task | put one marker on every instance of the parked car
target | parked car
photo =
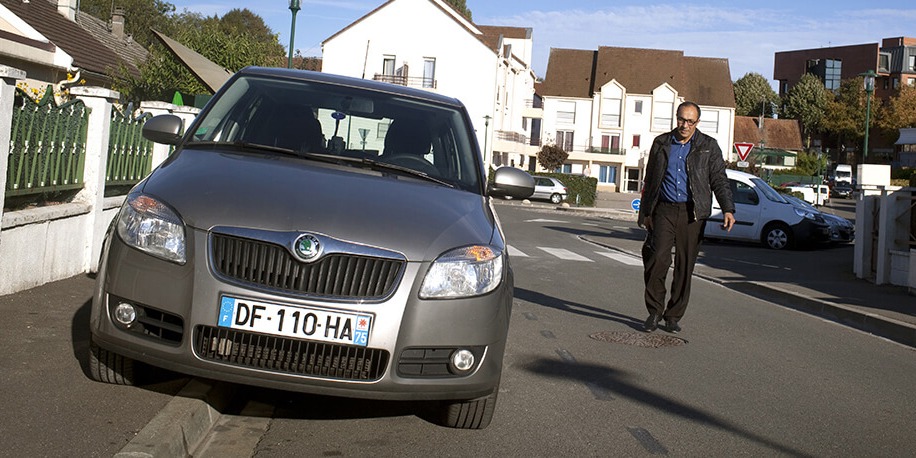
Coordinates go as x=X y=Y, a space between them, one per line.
x=315 y=233
x=841 y=189
x=764 y=215
x=841 y=229
x=548 y=188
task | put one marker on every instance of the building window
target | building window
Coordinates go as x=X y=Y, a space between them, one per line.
x=429 y=72
x=709 y=121
x=567 y=168
x=827 y=70
x=388 y=65
x=565 y=140
x=382 y=129
x=896 y=82
x=911 y=67
x=610 y=112
x=661 y=117
x=911 y=82
x=607 y=174
x=566 y=112
x=636 y=139
x=884 y=60
x=637 y=106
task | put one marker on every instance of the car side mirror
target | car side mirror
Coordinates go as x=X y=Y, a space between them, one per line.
x=165 y=129
x=511 y=182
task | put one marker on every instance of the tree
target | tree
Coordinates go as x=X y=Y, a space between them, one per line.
x=140 y=16
x=807 y=102
x=237 y=40
x=754 y=96
x=551 y=157
x=844 y=117
x=899 y=111
x=461 y=7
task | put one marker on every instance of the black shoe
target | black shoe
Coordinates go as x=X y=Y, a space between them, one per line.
x=672 y=326
x=651 y=323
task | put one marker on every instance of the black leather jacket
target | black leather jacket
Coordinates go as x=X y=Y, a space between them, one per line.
x=705 y=176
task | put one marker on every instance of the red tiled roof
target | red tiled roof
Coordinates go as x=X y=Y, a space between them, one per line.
x=579 y=73
x=777 y=133
x=87 y=52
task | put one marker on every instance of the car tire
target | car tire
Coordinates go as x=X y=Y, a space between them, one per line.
x=472 y=414
x=777 y=236
x=556 y=198
x=109 y=367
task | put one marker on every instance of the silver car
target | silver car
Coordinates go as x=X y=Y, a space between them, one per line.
x=548 y=188
x=315 y=233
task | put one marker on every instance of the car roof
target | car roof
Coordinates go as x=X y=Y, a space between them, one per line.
x=357 y=83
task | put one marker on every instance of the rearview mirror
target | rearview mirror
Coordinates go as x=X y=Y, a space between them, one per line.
x=163 y=129
x=511 y=182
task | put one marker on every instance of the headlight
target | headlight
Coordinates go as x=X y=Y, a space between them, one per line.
x=805 y=213
x=463 y=272
x=150 y=226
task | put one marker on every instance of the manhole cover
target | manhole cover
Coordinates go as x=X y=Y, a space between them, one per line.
x=639 y=339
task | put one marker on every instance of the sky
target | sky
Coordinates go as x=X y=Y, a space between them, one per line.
x=747 y=33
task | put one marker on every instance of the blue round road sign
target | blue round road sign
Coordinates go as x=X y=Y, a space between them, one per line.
x=635 y=204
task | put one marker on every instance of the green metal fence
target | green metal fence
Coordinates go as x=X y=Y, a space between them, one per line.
x=130 y=156
x=47 y=145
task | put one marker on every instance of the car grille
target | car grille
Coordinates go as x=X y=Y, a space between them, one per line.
x=343 y=276
x=291 y=356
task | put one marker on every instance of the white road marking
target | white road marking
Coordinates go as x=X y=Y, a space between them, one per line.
x=621 y=258
x=565 y=254
x=545 y=221
x=516 y=252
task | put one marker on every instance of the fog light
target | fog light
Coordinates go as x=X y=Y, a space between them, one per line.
x=125 y=313
x=463 y=360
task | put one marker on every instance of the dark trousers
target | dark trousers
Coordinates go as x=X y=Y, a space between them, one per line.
x=673 y=226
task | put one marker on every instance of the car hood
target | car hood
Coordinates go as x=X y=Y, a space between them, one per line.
x=417 y=218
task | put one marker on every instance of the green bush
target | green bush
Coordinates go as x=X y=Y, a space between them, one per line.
x=586 y=188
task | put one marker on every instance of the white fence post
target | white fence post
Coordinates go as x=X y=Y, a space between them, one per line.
x=100 y=101
x=8 y=77
x=160 y=151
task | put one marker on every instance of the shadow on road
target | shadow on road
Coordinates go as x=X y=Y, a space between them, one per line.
x=615 y=382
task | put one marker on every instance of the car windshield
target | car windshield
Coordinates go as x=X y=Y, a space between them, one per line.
x=375 y=128
x=768 y=191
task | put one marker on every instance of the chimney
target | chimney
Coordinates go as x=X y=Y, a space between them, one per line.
x=117 y=23
x=67 y=8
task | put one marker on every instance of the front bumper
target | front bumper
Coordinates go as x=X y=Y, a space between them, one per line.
x=406 y=356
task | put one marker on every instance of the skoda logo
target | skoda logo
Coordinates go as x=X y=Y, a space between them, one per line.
x=308 y=247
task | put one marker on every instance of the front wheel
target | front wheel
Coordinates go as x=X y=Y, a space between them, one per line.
x=777 y=236
x=473 y=414
x=110 y=367
x=556 y=198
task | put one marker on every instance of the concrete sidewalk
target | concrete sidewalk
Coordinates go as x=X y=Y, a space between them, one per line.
x=832 y=292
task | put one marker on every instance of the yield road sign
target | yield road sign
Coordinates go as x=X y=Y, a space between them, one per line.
x=743 y=150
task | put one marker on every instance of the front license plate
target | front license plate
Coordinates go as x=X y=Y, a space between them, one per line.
x=294 y=321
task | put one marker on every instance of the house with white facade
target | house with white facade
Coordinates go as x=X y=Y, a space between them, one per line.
x=605 y=107
x=429 y=45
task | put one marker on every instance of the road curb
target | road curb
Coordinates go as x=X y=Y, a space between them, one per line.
x=888 y=328
x=182 y=425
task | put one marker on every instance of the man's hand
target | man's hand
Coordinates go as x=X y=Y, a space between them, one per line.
x=647 y=223
x=728 y=221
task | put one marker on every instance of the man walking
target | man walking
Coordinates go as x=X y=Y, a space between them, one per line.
x=685 y=168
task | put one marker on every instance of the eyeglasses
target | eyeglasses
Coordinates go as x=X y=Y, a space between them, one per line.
x=689 y=122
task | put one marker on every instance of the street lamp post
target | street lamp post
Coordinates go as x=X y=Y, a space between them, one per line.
x=294 y=7
x=869 y=90
x=486 y=133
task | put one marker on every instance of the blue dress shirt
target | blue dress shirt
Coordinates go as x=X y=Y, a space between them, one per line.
x=674 y=185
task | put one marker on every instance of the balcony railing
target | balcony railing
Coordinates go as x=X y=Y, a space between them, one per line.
x=606 y=150
x=429 y=83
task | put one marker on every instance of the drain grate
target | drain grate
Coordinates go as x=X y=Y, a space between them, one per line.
x=639 y=339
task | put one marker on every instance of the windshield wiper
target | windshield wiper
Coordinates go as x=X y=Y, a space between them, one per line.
x=377 y=165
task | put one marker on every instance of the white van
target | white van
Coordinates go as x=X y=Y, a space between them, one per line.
x=763 y=215
x=811 y=195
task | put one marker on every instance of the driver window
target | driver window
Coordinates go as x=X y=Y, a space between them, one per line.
x=744 y=194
